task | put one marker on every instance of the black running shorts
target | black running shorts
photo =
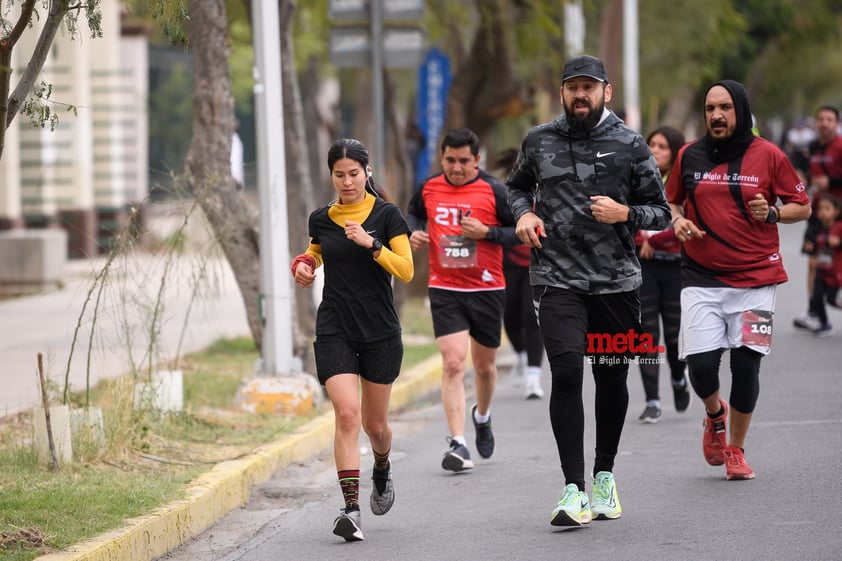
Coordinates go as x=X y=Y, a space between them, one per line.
x=588 y=323
x=480 y=313
x=378 y=362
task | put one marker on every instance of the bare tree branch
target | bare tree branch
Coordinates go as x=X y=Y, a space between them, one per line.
x=7 y=45
x=39 y=56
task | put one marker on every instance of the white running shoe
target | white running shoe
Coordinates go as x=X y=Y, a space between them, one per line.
x=807 y=321
x=533 y=388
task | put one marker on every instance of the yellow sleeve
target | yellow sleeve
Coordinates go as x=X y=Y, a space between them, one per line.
x=315 y=250
x=398 y=260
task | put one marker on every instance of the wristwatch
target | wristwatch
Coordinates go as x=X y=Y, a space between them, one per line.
x=376 y=245
x=774 y=215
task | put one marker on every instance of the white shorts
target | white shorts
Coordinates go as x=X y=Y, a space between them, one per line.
x=726 y=318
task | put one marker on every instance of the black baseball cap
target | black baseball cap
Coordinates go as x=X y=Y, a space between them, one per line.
x=585 y=65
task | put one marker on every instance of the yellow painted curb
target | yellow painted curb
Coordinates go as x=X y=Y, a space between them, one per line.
x=228 y=484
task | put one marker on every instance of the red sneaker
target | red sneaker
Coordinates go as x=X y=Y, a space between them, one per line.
x=736 y=466
x=713 y=439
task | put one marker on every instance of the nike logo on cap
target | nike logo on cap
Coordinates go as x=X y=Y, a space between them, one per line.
x=603 y=154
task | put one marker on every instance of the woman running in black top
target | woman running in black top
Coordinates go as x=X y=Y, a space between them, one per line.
x=363 y=242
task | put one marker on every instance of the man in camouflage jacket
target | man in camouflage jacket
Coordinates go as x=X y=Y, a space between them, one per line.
x=582 y=186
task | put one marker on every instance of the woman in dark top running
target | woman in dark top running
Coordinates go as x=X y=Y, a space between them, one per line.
x=363 y=242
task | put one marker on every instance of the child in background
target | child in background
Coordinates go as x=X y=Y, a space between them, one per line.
x=828 y=262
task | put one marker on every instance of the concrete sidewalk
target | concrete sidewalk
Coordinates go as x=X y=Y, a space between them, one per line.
x=193 y=314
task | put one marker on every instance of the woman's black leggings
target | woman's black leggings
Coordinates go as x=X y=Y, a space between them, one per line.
x=660 y=300
x=745 y=376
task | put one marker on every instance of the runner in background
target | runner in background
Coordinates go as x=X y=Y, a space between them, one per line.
x=519 y=319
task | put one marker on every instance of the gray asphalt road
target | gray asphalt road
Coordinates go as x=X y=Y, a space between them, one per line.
x=675 y=506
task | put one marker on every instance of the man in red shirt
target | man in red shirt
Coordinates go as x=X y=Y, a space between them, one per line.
x=723 y=192
x=463 y=216
x=825 y=177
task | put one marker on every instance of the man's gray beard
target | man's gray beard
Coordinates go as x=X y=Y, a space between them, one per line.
x=584 y=124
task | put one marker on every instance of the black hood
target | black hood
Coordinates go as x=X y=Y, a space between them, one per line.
x=732 y=148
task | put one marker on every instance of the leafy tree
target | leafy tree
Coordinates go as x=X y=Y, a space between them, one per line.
x=681 y=53
x=18 y=18
x=497 y=50
x=788 y=53
x=207 y=170
x=799 y=66
x=507 y=57
x=203 y=27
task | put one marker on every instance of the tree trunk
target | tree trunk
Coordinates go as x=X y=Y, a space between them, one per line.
x=208 y=171
x=319 y=113
x=486 y=86
x=402 y=178
x=611 y=49
x=679 y=112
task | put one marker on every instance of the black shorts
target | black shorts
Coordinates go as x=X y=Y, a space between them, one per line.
x=378 y=362
x=481 y=313
x=584 y=323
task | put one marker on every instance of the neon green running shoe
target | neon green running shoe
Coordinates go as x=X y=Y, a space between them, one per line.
x=573 y=508
x=606 y=504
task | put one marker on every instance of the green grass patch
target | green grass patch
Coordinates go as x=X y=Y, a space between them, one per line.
x=145 y=459
x=416 y=320
x=414 y=354
x=78 y=501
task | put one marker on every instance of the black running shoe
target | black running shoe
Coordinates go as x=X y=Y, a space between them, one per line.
x=347 y=525
x=650 y=415
x=457 y=458
x=682 y=397
x=485 y=438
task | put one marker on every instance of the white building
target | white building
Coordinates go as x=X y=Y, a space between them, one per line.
x=65 y=192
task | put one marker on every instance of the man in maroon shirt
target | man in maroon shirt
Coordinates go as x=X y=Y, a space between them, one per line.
x=723 y=192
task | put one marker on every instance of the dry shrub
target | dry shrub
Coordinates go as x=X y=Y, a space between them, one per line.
x=23 y=538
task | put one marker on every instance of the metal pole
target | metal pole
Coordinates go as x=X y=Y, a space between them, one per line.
x=276 y=292
x=377 y=86
x=574 y=28
x=631 y=63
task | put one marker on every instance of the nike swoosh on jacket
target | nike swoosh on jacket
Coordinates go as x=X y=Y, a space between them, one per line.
x=560 y=171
